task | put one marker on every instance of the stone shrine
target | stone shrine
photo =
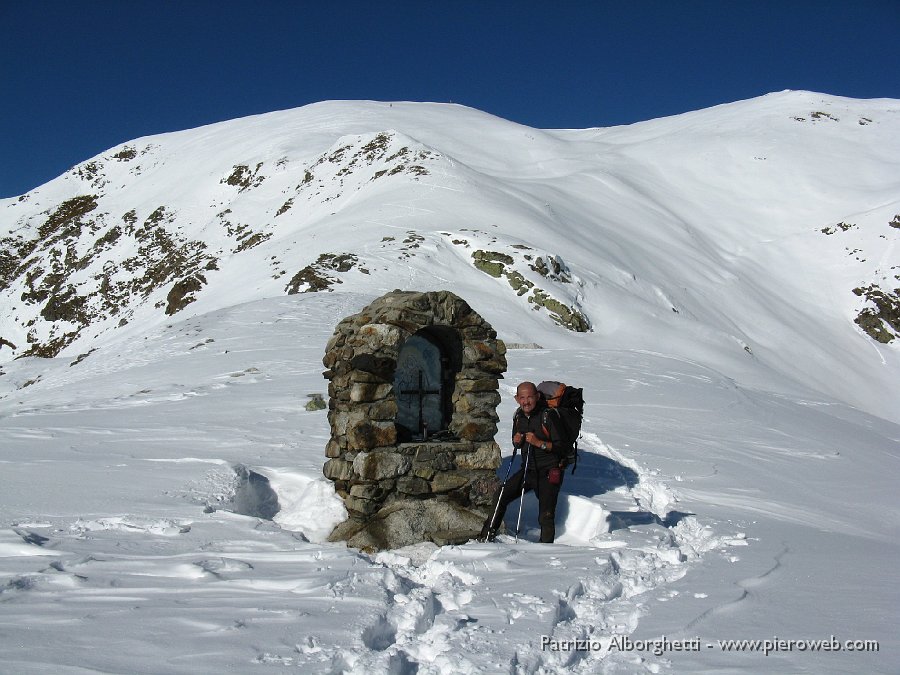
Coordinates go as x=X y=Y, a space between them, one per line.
x=413 y=391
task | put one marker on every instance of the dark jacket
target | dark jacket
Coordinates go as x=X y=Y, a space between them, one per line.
x=544 y=427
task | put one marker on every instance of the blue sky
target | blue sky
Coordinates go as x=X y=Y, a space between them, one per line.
x=79 y=77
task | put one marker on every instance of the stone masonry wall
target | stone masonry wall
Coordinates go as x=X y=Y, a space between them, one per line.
x=397 y=494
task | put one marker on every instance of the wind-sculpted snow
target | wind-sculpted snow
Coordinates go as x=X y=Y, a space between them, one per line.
x=700 y=508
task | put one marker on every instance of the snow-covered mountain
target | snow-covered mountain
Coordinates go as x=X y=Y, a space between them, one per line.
x=725 y=284
x=755 y=233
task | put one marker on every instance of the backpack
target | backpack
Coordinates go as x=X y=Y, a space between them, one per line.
x=568 y=405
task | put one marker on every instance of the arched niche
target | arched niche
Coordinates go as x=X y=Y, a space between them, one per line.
x=424 y=382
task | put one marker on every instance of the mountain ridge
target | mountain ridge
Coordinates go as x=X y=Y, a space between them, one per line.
x=749 y=236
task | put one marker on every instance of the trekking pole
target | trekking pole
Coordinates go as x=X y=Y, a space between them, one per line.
x=527 y=453
x=502 y=488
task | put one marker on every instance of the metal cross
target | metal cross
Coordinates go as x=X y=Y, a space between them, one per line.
x=421 y=392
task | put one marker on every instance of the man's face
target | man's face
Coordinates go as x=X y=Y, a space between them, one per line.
x=527 y=398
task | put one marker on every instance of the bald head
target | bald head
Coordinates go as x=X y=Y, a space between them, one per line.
x=527 y=396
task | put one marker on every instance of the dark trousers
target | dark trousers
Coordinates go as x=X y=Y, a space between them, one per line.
x=547 y=495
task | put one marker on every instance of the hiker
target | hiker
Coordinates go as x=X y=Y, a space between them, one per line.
x=541 y=445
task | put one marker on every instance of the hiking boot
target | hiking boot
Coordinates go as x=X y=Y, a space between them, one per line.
x=487 y=534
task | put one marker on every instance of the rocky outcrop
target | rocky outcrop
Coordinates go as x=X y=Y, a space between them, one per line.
x=398 y=493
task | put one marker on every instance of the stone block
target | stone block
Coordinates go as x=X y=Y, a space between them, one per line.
x=372 y=491
x=448 y=480
x=437 y=456
x=368 y=435
x=423 y=470
x=341 y=380
x=454 y=537
x=382 y=411
x=486 y=456
x=364 y=392
x=483 y=491
x=495 y=366
x=477 y=404
x=366 y=507
x=381 y=465
x=346 y=529
x=465 y=386
x=426 y=452
x=373 y=336
x=338 y=469
x=338 y=419
x=475 y=429
x=413 y=485
x=406 y=522
x=377 y=367
x=333 y=449
x=478 y=350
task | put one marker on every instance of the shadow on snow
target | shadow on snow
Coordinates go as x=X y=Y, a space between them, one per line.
x=595 y=475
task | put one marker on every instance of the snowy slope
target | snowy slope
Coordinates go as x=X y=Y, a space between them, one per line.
x=741 y=434
x=707 y=226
